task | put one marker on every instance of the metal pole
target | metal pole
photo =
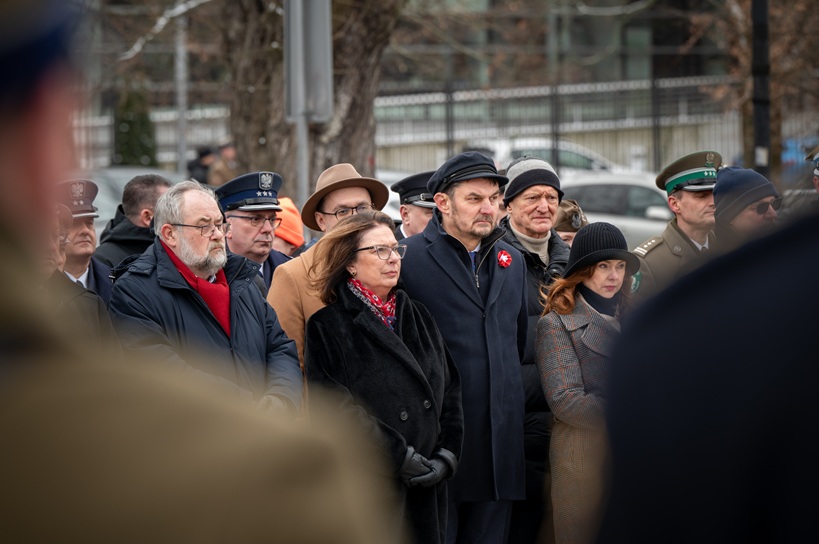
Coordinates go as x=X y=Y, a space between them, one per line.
x=181 y=76
x=761 y=70
x=655 y=120
x=300 y=105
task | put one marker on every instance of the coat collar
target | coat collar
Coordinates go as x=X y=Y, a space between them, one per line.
x=156 y=259
x=599 y=335
x=450 y=254
x=558 y=250
x=379 y=333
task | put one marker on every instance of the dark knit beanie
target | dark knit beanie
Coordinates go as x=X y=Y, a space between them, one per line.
x=599 y=242
x=526 y=172
x=736 y=188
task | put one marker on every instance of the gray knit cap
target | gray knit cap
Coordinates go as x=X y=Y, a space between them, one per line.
x=526 y=172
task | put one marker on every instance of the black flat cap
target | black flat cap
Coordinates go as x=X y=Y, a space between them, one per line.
x=464 y=166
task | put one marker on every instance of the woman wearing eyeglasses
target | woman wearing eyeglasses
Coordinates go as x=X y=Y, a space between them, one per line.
x=384 y=354
x=746 y=205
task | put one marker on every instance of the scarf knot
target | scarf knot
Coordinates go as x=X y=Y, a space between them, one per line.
x=383 y=309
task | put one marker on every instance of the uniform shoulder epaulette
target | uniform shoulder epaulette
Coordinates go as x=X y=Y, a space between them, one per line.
x=647 y=246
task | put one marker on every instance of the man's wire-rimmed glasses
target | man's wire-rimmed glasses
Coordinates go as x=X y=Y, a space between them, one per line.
x=257 y=222
x=342 y=213
x=206 y=230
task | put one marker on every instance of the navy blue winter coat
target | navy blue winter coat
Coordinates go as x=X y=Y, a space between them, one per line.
x=485 y=332
x=158 y=314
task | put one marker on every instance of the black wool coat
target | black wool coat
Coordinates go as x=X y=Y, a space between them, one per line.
x=485 y=331
x=402 y=386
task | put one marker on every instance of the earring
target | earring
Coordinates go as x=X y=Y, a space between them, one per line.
x=353 y=273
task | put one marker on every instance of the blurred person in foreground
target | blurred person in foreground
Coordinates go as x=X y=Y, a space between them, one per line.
x=746 y=204
x=384 y=354
x=580 y=324
x=474 y=285
x=532 y=198
x=570 y=218
x=129 y=232
x=80 y=265
x=340 y=192
x=100 y=452
x=689 y=183
x=186 y=297
x=416 y=204
x=712 y=441
x=251 y=206
x=289 y=237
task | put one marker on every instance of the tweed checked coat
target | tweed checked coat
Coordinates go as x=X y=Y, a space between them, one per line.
x=572 y=356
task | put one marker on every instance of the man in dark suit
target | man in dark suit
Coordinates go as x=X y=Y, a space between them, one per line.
x=109 y=452
x=251 y=205
x=416 y=204
x=474 y=284
x=80 y=265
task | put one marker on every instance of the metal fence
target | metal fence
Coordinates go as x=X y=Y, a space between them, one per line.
x=640 y=125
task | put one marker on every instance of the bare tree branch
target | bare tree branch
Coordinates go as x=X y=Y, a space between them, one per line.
x=167 y=16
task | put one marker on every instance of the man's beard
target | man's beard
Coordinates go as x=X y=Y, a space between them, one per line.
x=204 y=265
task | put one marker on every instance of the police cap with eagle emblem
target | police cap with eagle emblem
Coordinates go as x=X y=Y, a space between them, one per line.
x=251 y=192
x=694 y=172
x=78 y=195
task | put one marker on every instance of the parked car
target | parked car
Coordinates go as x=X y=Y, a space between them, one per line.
x=630 y=201
x=111 y=182
x=572 y=156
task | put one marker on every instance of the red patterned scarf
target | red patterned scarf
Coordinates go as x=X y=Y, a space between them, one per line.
x=216 y=295
x=384 y=310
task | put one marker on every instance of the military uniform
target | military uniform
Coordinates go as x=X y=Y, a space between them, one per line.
x=663 y=258
x=671 y=254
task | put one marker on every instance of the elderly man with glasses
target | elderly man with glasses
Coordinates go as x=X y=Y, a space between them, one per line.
x=340 y=192
x=251 y=207
x=189 y=305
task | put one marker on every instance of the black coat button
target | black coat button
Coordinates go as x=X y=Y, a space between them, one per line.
x=404 y=415
x=427 y=404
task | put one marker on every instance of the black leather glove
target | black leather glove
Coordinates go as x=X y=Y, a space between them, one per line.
x=442 y=465
x=415 y=464
x=438 y=470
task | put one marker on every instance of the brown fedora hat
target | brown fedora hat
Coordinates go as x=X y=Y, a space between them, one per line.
x=337 y=177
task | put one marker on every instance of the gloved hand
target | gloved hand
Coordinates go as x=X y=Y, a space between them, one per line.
x=438 y=470
x=414 y=465
x=442 y=465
